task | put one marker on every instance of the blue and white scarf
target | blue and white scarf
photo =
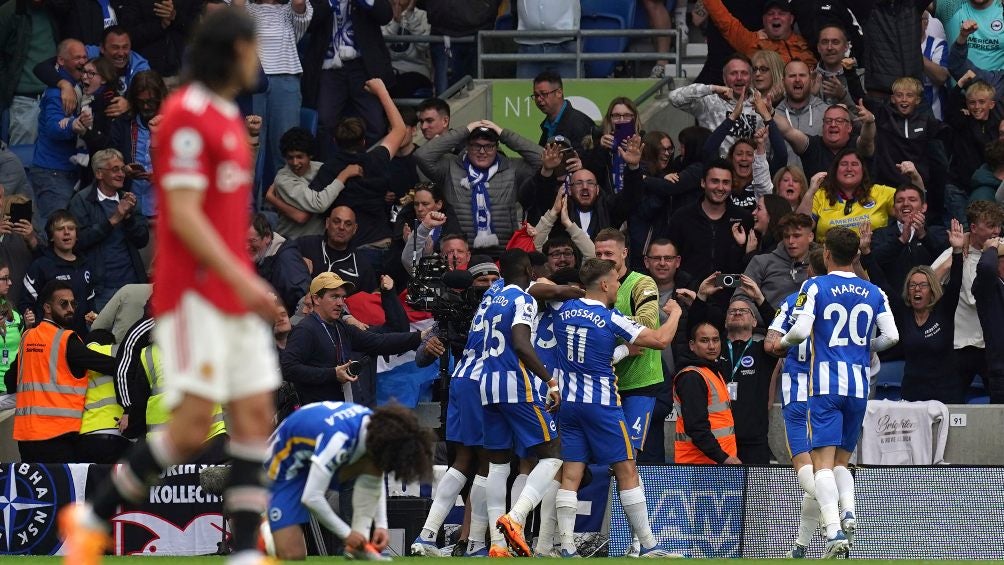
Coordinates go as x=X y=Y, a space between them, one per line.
x=481 y=204
x=343 y=34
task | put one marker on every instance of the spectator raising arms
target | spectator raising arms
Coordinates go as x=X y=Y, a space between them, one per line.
x=848 y=197
x=480 y=184
x=925 y=316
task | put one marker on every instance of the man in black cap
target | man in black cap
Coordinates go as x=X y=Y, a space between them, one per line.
x=480 y=183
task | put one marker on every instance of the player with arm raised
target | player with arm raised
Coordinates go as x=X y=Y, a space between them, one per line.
x=212 y=309
x=593 y=429
x=794 y=406
x=839 y=312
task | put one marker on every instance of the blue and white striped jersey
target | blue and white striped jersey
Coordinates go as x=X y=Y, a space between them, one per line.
x=330 y=434
x=844 y=310
x=490 y=357
x=587 y=332
x=796 y=367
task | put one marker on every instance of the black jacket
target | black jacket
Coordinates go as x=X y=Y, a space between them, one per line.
x=707 y=245
x=692 y=392
x=48 y=267
x=369 y=42
x=897 y=259
x=366 y=195
x=162 y=47
x=892 y=33
x=572 y=124
x=901 y=138
x=82 y=19
x=536 y=195
x=458 y=18
x=988 y=290
x=968 y=138
x=351 y=266
x=94 y=227
x=314 y=348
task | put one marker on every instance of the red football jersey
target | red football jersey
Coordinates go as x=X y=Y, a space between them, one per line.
x=201 y=144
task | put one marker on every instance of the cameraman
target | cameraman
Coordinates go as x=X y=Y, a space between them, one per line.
x=484 y=272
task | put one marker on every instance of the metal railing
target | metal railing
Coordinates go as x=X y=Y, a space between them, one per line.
x=456 y=89
x=579 y=57
x=659 y=90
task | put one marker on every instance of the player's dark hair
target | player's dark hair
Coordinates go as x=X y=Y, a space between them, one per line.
x=842 y=243
x=593 y=270
x=212 y=50
x=514 y=263
x=296 y=139
x=437 y=104
x=398 y=444
x=816 y=262
x=568 y=275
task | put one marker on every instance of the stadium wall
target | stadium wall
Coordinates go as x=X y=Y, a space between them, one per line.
x=753 y=512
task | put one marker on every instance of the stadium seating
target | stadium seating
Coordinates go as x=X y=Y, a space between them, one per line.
x=641 y=14
x=605 y=14
x=889 y=380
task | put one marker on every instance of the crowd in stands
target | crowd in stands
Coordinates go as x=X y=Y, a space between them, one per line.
x=878 y=116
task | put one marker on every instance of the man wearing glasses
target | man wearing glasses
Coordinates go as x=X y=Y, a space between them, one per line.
x=50 y=376
x=110 y=230
x=560 y=118
x=817 y=151
x=480 y=183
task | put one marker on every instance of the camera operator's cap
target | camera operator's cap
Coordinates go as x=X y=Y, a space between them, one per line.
x=485 y=133
x=783 y=4
x=482 y=265
x=329 y=280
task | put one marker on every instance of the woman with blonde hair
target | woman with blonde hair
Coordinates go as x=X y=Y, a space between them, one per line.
x=768 y=75
x=925 y=316
x=790 y=183
x=621 y=121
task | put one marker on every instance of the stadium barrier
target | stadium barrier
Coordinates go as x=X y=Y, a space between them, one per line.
x=753 y=512
x=700 y=511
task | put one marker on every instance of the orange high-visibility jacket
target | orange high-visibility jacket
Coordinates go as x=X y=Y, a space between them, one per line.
x=50 y=401
x=719 y=415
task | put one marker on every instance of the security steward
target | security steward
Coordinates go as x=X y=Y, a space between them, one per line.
x=49 y=377
x=157 y=414
x=705 y=430
x=101 y=439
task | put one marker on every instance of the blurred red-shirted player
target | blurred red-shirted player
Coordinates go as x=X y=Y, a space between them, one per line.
x=213 y=312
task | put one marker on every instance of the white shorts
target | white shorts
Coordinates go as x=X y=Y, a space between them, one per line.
x=213 y=355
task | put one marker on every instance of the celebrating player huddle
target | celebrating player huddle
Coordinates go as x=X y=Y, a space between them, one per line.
x=518 y=394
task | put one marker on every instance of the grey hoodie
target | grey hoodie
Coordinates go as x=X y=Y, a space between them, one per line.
x=777 y=274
